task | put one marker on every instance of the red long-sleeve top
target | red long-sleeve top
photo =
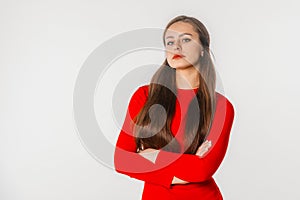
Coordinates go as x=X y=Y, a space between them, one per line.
x=196 y=170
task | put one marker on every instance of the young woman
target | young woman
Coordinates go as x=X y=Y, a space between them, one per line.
x=176 y=130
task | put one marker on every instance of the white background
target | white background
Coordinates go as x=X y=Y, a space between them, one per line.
x=43 y=45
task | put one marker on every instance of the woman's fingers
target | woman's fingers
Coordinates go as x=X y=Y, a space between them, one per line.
x=203 y=148
x=147 y=150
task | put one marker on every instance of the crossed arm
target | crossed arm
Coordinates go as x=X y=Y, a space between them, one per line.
x=166 y=168
x=151 y=154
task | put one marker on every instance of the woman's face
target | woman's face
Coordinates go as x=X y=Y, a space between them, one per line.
x=181 y=39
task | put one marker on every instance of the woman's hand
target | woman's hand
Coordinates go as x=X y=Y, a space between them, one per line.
x=203 y=148
x=147 y=150
x=149 y=154
x=178 y=181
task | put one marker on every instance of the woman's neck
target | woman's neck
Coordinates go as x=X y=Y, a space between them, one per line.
x=187 y=78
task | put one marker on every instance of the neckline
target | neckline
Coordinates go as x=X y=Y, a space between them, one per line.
x=187 y=89
x=186 y=92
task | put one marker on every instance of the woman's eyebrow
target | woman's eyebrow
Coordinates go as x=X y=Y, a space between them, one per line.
x=179 y=35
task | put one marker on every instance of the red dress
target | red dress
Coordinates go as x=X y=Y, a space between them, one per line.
x=196 y=170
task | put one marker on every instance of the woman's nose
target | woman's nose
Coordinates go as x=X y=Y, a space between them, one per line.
x=177 y=45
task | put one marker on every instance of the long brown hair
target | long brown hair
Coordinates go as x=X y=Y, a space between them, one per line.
x=152 y=127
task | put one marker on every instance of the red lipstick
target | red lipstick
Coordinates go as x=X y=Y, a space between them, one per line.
x=177 y=56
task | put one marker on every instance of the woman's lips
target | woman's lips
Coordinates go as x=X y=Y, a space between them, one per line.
x=177 y=56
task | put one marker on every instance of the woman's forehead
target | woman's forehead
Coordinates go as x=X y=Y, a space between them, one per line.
x=180 y=29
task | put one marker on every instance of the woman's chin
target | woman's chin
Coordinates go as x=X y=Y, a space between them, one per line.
x=180 y=66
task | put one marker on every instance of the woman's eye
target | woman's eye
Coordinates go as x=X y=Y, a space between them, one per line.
x=183 y=40
x=186 y=39
x=169 y=43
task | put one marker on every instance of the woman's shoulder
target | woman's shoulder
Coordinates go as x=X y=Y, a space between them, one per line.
x=144 y=88
x=138 y=99
x=142 y=91
x=225 y=102
x=140 y=94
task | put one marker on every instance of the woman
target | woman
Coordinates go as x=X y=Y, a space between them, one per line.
x=176 y=130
